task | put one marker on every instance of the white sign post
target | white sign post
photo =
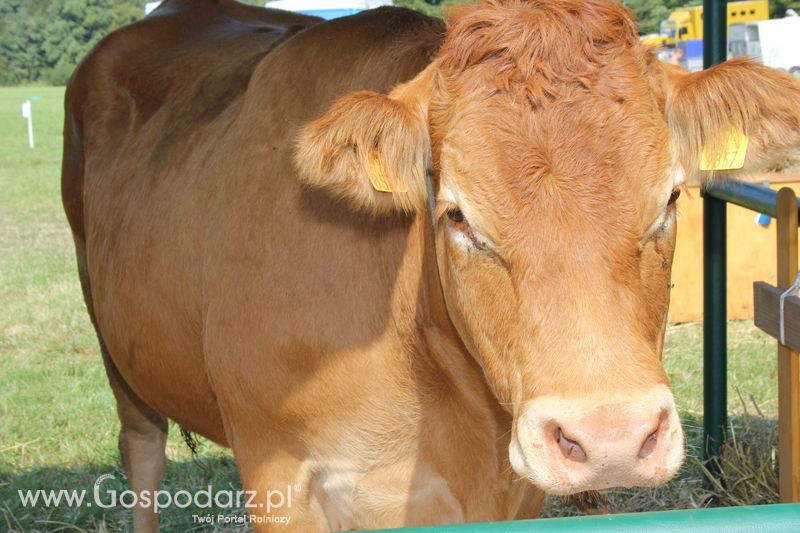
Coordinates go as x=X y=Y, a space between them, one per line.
x=27 y=112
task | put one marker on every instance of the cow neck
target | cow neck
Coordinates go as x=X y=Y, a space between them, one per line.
x=440 y=335
x=454 y=364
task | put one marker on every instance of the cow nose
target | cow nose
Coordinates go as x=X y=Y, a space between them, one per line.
x=639 y=436
x=571 y=445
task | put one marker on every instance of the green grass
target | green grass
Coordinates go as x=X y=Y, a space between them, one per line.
x=58 y=423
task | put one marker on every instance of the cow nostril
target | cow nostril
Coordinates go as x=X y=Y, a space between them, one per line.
x=571 y=449
x=649 y=445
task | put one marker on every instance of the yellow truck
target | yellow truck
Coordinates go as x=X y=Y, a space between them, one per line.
x=686 y=23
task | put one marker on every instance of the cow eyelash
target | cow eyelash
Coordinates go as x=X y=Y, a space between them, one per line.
x=456 y=215
x=459 y=221
x=658 y=226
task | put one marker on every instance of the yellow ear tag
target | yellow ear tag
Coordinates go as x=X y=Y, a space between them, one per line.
x=731 y=158
x=377 y=175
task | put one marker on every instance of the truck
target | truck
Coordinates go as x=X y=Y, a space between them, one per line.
x=686 y=23
x=683 y=30
x=775 y=43
x=682 y=33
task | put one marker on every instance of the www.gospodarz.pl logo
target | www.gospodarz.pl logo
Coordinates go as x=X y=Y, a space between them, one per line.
x=262 y=504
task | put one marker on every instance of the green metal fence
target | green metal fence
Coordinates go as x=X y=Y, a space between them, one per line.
x=715 y=301
x=716 y=196
x=781 y=518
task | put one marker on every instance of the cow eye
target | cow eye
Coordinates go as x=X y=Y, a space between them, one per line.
x=674 y=196
x=455 y=215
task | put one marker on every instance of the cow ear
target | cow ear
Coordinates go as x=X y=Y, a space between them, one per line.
x=735 y=118
x=371 y=150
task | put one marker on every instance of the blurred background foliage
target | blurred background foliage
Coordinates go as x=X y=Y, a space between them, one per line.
x=41 y=41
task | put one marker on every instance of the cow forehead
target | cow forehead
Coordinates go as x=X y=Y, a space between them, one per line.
x=586 y=159
x=545 y=110
x=548 y=106
x=533 y=47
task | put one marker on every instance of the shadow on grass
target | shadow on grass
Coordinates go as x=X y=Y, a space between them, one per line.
x=106 y=507
x=749 y=477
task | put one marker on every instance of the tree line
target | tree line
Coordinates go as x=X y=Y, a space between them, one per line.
x=41 y=41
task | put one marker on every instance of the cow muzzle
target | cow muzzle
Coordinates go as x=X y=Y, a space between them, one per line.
x=565 y=446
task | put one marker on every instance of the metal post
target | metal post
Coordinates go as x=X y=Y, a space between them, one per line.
x=715 y=319
x=715 y=33
x=715 y=323
x=27 y=113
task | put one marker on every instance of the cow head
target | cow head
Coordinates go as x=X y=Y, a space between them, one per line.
x=555 y=146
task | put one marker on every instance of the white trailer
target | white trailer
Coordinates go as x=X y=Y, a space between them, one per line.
x=327 y=9
x=776 y=42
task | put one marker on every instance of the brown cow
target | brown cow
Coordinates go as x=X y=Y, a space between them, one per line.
x=403 y=357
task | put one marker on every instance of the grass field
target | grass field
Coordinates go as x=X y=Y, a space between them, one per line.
x=57 y=418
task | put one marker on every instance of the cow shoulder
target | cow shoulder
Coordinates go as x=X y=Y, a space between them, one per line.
x=181 y=53
x=177 y=62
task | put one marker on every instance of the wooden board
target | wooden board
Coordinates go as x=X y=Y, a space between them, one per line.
x=788 y=364
x=767 y=305
x=751 y=256
x=766 y=300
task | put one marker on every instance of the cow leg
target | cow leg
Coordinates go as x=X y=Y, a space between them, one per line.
x=143 y=432
x=142 y=443
x=276 y=482
x=280 y=499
